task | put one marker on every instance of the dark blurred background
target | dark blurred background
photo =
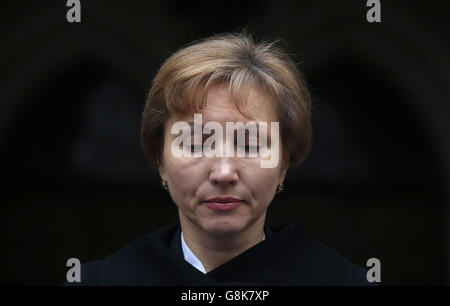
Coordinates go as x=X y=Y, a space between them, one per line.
x=75 y=182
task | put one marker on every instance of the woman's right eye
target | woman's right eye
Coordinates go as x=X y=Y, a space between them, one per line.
x=251 y=147
x=196 y=148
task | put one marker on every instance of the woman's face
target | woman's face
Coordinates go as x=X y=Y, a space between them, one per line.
x=194 y=181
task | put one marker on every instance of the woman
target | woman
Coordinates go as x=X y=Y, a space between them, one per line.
x=253 y=100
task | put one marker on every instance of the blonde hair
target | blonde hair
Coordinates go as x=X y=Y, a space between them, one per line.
x=181 y=85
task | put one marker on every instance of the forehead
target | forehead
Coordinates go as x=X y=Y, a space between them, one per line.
x=255 y=105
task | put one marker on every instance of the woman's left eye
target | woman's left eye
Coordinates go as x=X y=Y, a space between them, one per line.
x=196 y=147
x=250 y=148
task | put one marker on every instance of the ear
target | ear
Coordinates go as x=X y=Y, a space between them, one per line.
x=283 y=174
x=162 y=170
x=284 y=168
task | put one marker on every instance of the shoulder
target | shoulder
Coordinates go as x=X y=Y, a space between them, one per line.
x=315 y=263
x=127 y=264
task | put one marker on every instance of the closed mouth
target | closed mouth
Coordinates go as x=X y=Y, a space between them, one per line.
x=222 y=204
x=224 y=200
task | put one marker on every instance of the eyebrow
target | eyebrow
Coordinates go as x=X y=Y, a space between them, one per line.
x=191 y=123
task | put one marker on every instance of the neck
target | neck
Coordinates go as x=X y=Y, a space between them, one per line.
x=214 y=249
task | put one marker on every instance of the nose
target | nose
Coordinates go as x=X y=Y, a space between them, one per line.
x=224 y=172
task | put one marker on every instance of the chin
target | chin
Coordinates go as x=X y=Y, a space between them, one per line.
x=225 y=227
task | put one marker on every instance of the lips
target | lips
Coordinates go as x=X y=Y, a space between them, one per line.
x=222 y=204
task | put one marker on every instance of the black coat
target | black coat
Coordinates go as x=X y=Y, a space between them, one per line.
x=288 y=256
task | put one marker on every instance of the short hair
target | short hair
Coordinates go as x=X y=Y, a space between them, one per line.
x=181 y=85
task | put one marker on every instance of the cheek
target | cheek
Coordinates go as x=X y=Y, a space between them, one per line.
x=262 y=182
x=185 y=175
x=181 y=177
